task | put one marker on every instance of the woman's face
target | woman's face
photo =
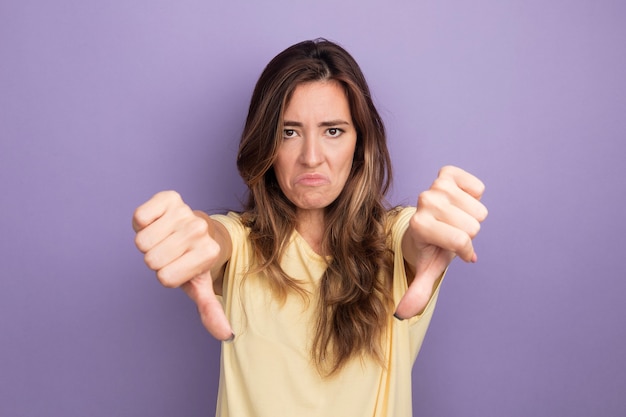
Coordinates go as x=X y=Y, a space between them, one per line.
x=319 y=139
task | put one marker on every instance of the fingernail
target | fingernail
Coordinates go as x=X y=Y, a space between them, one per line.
x=231 y=338
x=398 y=317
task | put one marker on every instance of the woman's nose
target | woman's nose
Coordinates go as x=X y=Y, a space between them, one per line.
x=312 y=152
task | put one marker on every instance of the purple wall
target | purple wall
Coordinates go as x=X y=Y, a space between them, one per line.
x=104 y=103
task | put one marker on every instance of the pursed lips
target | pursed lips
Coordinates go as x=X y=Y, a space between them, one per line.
x=312 y=179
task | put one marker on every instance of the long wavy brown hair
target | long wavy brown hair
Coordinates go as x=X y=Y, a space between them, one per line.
x=355 y=300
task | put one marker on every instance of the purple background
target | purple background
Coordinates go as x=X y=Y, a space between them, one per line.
x=103 y=103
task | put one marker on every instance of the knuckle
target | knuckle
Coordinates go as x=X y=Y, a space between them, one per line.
x=438 y=184
x=483 y=215
x=432 y=200
x=417 y=222
x=205 y=254
x=198 y=226
x=442 y=184
x=474 y=229
x=183 y=213
x=211 y=250
x=140 y=219
x=446 y=170
x=141 y=242
x=166 y=279
x=168 y=200
x=169 y=195
x=151 y=260
x=480 y=187
x=461 y=242
x=424 y=199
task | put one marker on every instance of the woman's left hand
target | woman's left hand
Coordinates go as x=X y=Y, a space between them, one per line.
x=447 y=219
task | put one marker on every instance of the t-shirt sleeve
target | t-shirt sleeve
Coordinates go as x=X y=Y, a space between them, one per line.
x=232 y=223
x=238 y=237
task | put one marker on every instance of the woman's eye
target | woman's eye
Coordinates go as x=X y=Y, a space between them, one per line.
x=289 y=133
x=334 y=132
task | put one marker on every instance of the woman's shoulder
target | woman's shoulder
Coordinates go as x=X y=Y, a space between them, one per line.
x=396 y=224
x=233 y=222
x=399 y=215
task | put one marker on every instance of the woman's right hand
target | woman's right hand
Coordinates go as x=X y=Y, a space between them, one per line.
x=178 y=244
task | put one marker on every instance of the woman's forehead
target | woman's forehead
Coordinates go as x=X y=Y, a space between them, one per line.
x=324 y=100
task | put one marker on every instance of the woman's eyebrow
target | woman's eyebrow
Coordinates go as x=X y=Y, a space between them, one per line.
x=291 y=123
x=333 y=123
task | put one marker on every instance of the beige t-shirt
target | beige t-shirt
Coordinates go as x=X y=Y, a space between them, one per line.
x=267 y=370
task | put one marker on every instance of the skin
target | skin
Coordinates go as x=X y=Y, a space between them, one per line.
x=315 y=158
x=446 y=221
x=189 y=250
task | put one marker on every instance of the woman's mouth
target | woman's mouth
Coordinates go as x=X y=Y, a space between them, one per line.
x=312 y=179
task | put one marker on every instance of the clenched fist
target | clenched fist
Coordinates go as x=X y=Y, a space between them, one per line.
x=184 y=247
x=446 y=221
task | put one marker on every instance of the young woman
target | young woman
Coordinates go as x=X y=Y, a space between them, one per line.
x=322 y=293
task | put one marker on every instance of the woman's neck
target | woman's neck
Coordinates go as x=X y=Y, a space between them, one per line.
x=310 y=225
